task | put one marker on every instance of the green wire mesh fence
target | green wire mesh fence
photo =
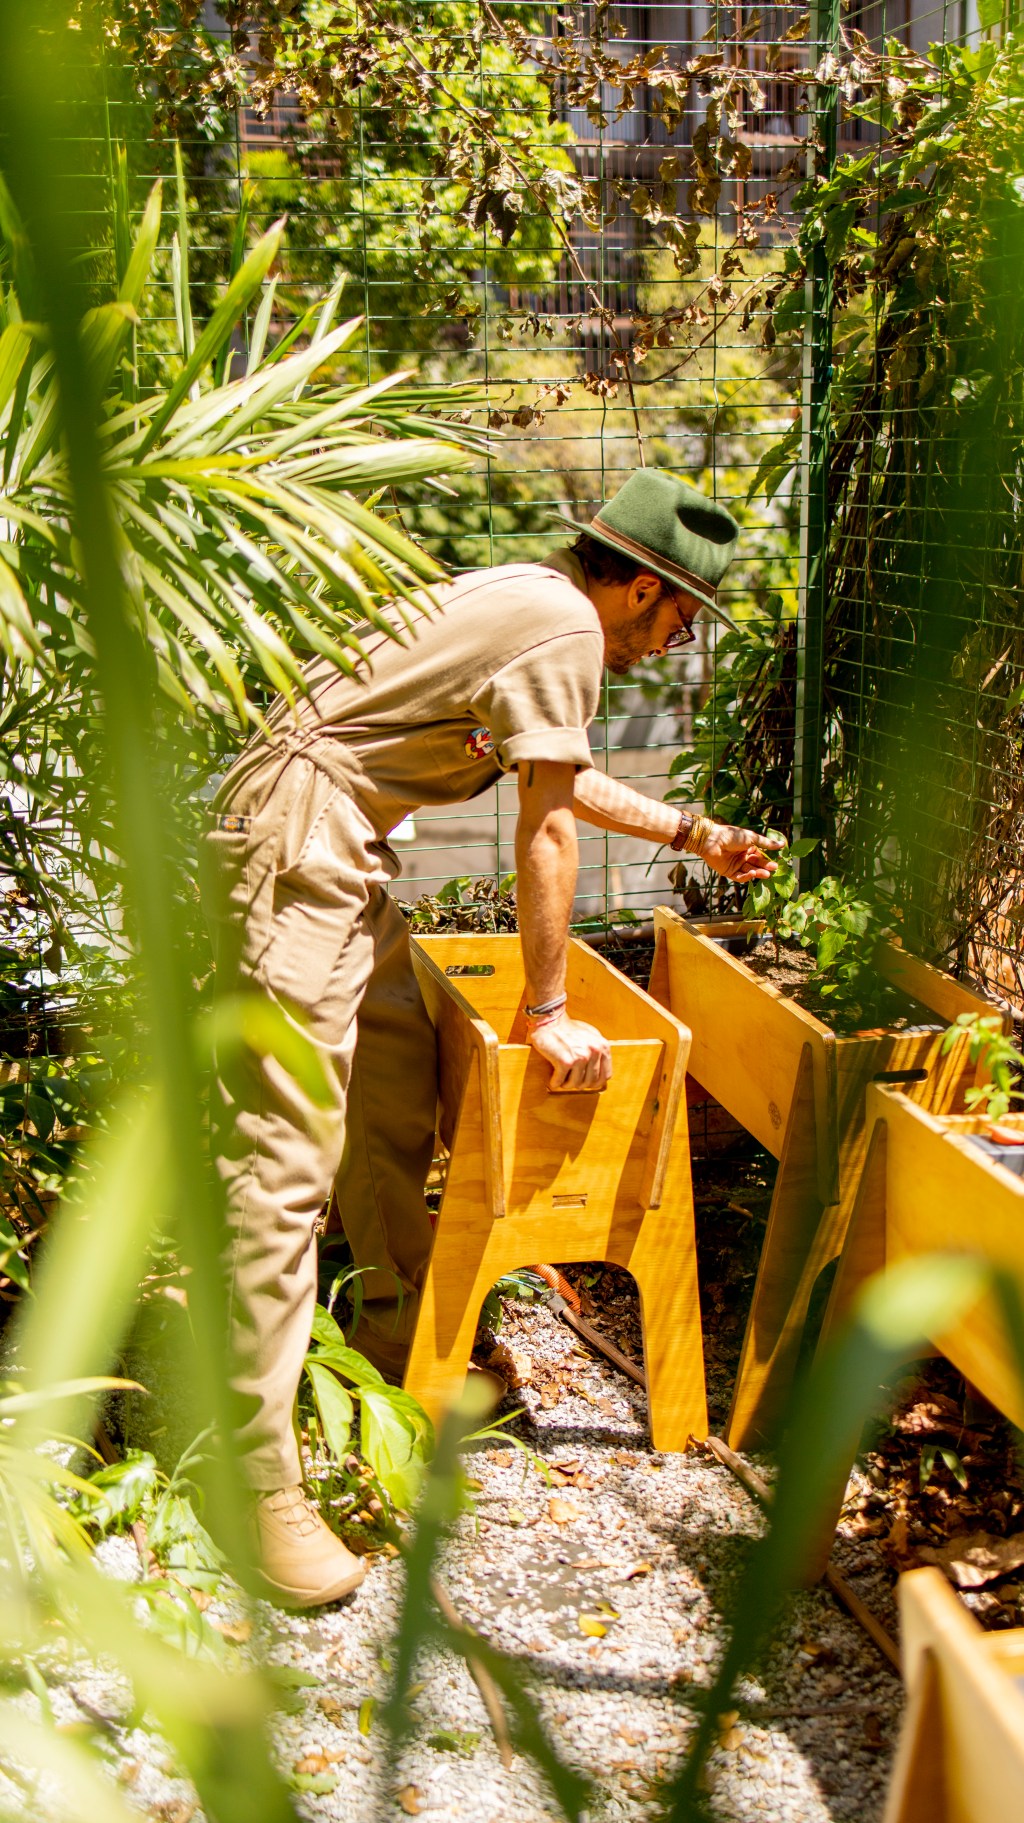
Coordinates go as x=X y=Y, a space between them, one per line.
x=607 y=217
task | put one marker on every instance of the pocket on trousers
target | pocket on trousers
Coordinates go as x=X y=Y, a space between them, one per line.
x=319 y=899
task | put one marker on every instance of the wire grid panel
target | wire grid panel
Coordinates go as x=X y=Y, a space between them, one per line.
x=550 y=323
x=553 y=323
x=926 y=655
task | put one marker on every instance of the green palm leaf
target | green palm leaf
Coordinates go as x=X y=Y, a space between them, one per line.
x=247 y=539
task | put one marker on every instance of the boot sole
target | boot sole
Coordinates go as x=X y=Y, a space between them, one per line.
x=284 y=1597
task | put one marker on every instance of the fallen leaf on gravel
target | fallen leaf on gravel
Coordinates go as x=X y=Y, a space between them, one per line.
x=570 y=1473
x=312 y=1762
x=729 y=1736
x=366 y=1709
x=630 y=1736
x=973 y=1559
x=563 y=1512
x=409 y=1799
x=454 y=1740
x=502 y=1459
x=175 y=1810
x=331 y=1709
x=516 y=1516
x=637 y=1569
x=898 y=1539
x=592 y=1625
x=564 y=1473
x=319 y=1784
x=605 y=1608
x=237 y=1631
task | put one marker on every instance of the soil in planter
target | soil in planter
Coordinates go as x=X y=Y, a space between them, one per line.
x=793 y=972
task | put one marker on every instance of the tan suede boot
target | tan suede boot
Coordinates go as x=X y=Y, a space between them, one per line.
x=300 y=1562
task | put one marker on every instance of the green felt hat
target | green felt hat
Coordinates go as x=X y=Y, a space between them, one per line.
x=671 y=528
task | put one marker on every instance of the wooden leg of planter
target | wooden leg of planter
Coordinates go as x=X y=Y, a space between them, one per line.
x=670 y=1313
x=465 y=1262
x=864 y=1248
x=862 y=1255
x=917 y=1791
x=776 y=1322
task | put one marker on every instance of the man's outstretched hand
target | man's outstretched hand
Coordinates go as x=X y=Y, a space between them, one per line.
x=741 y=854
x=579 y=1057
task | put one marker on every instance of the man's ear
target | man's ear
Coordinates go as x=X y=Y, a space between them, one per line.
x=644 y=588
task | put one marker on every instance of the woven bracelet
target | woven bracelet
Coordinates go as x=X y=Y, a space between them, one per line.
x=549 y=1007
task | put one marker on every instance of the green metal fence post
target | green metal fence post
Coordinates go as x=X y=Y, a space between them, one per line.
x=809 y=745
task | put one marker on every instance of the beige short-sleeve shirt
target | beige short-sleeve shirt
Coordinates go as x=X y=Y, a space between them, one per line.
x=505 y=669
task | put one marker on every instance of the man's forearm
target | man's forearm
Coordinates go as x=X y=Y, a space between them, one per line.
x=600 y=799
x=547 y=859
x=546 y=865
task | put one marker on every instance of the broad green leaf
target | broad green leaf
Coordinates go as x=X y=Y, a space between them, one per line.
x=117 y=1491
x=351 y=1363
x=326 y=1329
x=830 y=945
x=334 y=1405
x=396 y=1438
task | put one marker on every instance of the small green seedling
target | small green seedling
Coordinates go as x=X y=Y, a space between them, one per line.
x=842 y=928
x=997 y=1055
x=774 y=901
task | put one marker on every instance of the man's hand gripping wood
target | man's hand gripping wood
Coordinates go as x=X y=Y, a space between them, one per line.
x=547 y=861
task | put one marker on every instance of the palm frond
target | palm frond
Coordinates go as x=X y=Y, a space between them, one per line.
x=247 y=539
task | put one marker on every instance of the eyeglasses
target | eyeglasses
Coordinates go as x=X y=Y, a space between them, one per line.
x=684 y=634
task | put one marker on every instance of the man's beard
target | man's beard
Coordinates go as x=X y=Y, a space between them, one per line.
x=632 y=642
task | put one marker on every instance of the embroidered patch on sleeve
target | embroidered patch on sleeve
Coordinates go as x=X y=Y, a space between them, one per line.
x=479 y=743
x=234 y=826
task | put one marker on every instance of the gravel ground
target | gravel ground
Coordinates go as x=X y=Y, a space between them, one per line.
x=643 y=1545
x=608 y=1581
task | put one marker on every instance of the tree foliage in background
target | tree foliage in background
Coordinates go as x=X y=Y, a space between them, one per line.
x=244 y=487
x=924 y=788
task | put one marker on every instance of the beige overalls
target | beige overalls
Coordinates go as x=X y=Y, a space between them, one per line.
x=506 y=669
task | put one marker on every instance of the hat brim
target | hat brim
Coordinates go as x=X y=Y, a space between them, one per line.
x=593 y=530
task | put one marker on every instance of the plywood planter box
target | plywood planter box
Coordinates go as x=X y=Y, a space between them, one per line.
x=925 y=1188
x=533 y=1175
x=798 y=1088
x=960 y=1757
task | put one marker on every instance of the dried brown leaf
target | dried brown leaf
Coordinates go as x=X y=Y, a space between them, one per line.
x=972 y=1559
x=563 y=1512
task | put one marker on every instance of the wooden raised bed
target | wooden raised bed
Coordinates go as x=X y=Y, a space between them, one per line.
x=960 y=1757
x=539 y=1176
x=799 y=1089
x=925 y=1189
